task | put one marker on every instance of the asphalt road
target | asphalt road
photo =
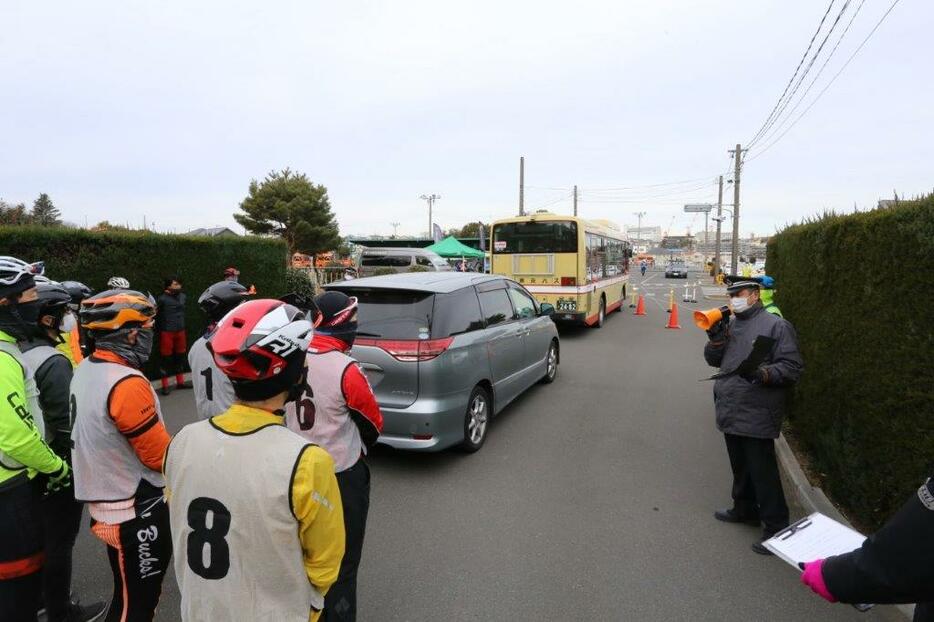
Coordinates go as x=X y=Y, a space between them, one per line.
x=591 y=500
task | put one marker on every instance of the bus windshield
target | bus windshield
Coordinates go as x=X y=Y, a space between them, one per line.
x=535 y=237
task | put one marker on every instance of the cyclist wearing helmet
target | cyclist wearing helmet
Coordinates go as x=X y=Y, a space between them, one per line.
x=118 y=282
x=73 y=347
x=767 y=294
x=24 y=454
x=119 y=441
x=213 y=392
x=257 y=525
x=170 y=321
x=60 y=512
x=339 y=413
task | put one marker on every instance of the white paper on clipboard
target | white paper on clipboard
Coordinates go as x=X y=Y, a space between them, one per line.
x=812 y=538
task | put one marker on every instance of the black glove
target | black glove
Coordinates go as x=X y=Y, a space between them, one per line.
x=719 y=331
x=757 y=376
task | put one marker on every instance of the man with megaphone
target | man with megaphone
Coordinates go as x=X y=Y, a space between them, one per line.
x=757 y=353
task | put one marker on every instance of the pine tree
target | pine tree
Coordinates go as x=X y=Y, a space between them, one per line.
x=289 y=205
x=44 y=211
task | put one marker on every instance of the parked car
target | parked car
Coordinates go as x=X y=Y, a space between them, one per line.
x=676 y=270
x=445 y=352
x=399 y=260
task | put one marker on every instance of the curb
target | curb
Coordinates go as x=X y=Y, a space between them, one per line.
x=813 y=499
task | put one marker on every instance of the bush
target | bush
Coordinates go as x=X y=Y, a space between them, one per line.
x=384 y=271
x=145 y=258
x=419 y=269
x=299 y=281
x=856 y=288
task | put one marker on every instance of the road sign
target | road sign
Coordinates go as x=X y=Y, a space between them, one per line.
x=698 y=207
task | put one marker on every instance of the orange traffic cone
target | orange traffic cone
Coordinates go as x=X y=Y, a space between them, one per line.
x=673 y=318
x=640 y=308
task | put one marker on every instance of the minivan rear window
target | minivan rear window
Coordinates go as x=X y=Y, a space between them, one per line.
x=456 y=313
x=392 y=313
x=393 y=261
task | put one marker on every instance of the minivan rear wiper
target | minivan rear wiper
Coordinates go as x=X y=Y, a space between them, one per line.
x=363 y=334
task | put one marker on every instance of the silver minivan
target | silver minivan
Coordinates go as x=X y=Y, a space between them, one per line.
x=399 y=260
x=445 y=351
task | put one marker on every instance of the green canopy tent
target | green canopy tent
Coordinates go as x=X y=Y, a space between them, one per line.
x=452 y=249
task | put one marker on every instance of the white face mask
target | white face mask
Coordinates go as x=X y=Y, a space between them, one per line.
x=739 y=304
x=68 y=323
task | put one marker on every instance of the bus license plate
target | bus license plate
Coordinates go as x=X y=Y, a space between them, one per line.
x=567 y=305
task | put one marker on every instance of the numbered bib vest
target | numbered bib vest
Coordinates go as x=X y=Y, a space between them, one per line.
x=237 y=551
x=322 y=417
x=213 y=392
x=105 y=466
x=29 y=409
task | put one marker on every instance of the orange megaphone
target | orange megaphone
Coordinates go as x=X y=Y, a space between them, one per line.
x=705 y=319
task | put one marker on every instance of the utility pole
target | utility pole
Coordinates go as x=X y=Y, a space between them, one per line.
x=395 y=229
x=575 y=200
x=639 y=215
x=431 y=198
x=737 y=168
x=522 y=186
x=716 y=259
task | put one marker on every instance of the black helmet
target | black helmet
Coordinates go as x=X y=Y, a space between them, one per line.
x=53 y=300
x=77 y=290
x=306 y=303
x=220 y=298
x=52 y=295
x=338 y=315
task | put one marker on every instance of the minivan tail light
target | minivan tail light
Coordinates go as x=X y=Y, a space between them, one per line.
x=409 y=350
x=568 y=281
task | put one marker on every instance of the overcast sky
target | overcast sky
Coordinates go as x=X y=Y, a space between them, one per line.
x=168 y=109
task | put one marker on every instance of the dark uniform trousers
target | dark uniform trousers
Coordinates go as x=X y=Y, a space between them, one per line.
x=340 y=603
x=757 y=485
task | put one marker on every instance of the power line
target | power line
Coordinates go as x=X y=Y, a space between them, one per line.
x=832 y=80
x=794 y=75
x=558 y=200
x=773 y=131
x=669 y=183
x=807 y=70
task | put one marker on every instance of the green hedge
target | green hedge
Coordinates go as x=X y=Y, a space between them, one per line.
x=858 y=288
x=146 y=258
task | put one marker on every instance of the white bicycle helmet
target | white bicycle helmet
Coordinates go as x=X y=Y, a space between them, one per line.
x=118 y=282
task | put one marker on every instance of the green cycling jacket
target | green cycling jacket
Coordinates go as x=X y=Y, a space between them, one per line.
x=22 y=447
x=768 y=301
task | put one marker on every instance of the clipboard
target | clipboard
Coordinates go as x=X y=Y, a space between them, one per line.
x=815 y=537
x=761 y=349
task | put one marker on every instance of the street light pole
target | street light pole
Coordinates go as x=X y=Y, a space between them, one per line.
x=431 y=198
x=716 y=261
x=737 y=168
x=639 y=215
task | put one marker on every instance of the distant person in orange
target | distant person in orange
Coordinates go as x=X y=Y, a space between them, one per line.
x=118 y=443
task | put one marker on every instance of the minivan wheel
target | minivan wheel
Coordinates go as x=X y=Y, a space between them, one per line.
x=551 y=367
x=476 y=420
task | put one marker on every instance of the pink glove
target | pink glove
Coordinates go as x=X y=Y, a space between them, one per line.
x=813 y=577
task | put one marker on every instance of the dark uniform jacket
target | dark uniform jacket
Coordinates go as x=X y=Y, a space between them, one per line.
x=895 y=564
x=171 y=313
x=53 y=379
x=750 y=407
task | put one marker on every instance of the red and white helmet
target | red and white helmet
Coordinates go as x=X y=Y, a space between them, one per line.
x=261 y=345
